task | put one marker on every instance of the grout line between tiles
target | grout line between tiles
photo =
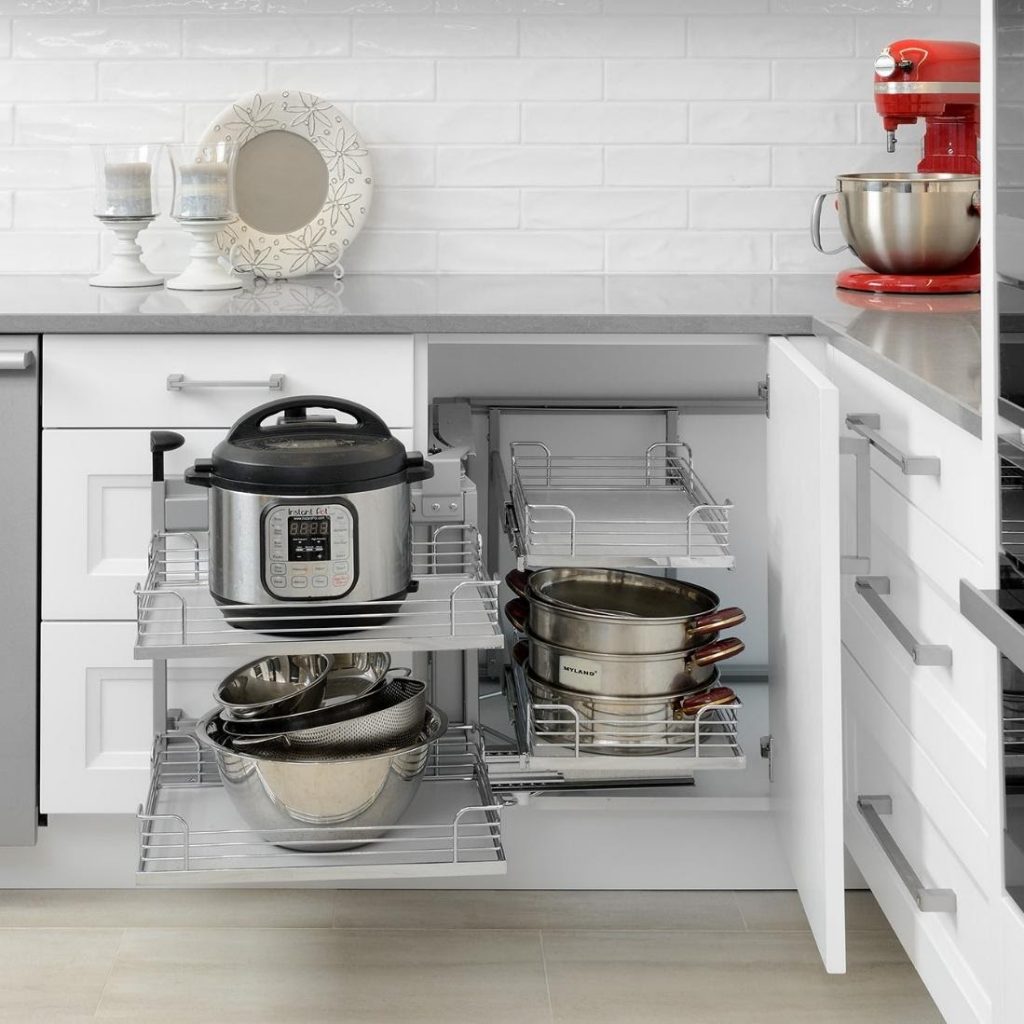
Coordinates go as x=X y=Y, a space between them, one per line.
x=547 y=981
x=110 y=972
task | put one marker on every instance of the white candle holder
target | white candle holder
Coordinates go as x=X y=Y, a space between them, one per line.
x=205 y=272
x=204 y=204
x=125 y=202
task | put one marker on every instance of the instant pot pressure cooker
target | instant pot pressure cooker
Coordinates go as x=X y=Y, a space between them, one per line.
x=307 y=512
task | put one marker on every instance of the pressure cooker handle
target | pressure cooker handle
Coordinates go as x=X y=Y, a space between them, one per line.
x=200 y=473
x=711 y=654
x=161 y=441
x=417 y=468
x=249 y=426
x=720 y=618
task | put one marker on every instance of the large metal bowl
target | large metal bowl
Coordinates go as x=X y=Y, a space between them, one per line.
x=905 y=223
x=320 y=801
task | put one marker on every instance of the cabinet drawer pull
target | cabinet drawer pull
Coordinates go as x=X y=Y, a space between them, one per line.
x=860 y=561
x=871 y=588
x=930 y=901
x=177 y=382
x=867 y=425
x=17 y=360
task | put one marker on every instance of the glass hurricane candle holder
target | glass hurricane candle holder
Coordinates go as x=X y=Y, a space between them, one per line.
x=204 y=203
x=124 y=200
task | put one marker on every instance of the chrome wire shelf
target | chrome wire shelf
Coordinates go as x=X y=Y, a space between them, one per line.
x=190 y=834
x=554 y=738
x=632 y=511
x=454 y=607
x=1013 y=731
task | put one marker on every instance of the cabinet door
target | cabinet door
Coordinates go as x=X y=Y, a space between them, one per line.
x=804 y=641
x=96 y=715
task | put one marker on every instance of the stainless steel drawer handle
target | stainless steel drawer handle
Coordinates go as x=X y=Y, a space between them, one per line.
x=867 y=424
x=860 y=561
x=930 y=901
x=178 y=382
x=17 y=360
x=872 y=588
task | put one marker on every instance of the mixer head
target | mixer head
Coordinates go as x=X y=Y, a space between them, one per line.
x=939 y=81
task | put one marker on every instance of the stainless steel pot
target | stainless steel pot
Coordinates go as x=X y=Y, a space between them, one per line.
x=316 y=800
x=308 y=514
x=905 y=223
x=611 y=611
x=281 y=684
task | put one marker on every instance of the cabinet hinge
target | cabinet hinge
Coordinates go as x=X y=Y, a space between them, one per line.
x=766 y=753
x=763 y=392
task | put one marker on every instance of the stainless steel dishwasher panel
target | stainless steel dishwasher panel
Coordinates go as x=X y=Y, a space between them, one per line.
x=19 y=594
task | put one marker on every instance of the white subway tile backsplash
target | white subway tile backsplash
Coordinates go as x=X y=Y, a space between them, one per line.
x=180 y=80
x=770 y=36
x=604 y=122
x=690 y=79
x=434 y=37
x=267 y=38
x=37 y=81
x=98 y=37
x=604 y=209
x=521 y=79
x=752 y=209
x=792 y=253
x=96 y=122
x=511 y=136
x=339 y=80
x=603 y=37
x=447 y=123
x=687 y=165
x=464 y=252
x=442 y=209
x=519 y=166
x=773 y=122
x=692 y=252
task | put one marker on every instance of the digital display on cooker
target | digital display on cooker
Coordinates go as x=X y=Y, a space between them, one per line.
x=309 y=538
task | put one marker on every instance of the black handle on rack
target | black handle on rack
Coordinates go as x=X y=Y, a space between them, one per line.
x=161 y=441
x=295 y=418
x=199 y=473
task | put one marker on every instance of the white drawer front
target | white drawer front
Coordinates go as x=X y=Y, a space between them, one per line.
x=96 y=715
x=914 y=429
x=951 y=951
x=121 y=380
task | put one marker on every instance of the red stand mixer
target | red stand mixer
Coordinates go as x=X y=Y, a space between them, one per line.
x=918 y=232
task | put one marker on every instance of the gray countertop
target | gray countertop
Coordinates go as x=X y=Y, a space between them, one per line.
x=928 y=346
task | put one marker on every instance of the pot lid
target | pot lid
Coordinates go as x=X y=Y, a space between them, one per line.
x=281 y=447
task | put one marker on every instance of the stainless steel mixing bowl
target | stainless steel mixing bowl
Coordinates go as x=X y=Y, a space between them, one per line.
x=313 y=798
x=278 y=685
x=905 y=223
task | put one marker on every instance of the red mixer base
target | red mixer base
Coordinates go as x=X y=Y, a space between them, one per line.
x=860 y=279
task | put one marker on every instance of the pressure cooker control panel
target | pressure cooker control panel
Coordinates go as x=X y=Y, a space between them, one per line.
x=308 y=551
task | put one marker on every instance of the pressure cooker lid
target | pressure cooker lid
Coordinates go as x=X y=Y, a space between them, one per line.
x=283 y=447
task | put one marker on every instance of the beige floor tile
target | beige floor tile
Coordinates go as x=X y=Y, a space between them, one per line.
x=193 y=908
x=54 y=974
x=339 y=975
x=725 y=978
x=781 y=911
x=708 y=911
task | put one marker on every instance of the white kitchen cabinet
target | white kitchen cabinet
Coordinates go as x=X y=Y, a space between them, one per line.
x=96 y=715
x=114 y=380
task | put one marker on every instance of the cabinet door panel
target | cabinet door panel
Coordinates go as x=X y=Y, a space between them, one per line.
x=96 y=715
x=803 y=603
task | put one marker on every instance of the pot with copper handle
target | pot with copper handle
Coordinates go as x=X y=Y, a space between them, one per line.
x=612 y=611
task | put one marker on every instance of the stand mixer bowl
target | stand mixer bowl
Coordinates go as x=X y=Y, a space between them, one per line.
x=908 y=223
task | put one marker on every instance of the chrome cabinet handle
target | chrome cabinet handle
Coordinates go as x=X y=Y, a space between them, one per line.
x=859 y=562
x=18 y=359
x=930 y=901
x=871 y=588
x=867 y=424
x=178 y=382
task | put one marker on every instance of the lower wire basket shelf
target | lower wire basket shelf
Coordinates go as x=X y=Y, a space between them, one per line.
x=191 y=835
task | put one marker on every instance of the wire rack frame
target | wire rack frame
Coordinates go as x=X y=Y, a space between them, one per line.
x=661 y=506
x=168 y=842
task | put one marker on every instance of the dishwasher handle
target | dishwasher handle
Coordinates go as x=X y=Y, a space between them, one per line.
x=17 y=359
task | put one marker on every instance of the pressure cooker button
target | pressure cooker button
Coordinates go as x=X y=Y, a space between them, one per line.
x=278 y=567
x=341 y=566
x=339 y=581
x=299 y=582
x=319 y=581
x=278 y=581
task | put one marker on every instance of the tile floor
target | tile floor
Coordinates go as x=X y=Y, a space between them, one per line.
x=366 y=957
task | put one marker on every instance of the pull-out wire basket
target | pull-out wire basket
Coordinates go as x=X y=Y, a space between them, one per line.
x=645 y=510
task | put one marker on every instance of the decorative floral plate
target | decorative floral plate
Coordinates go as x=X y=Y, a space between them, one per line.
x=320 y=244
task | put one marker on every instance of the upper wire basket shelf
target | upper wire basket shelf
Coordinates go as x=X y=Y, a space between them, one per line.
x=190 y=834
x=617 y=511
x=452 y=607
